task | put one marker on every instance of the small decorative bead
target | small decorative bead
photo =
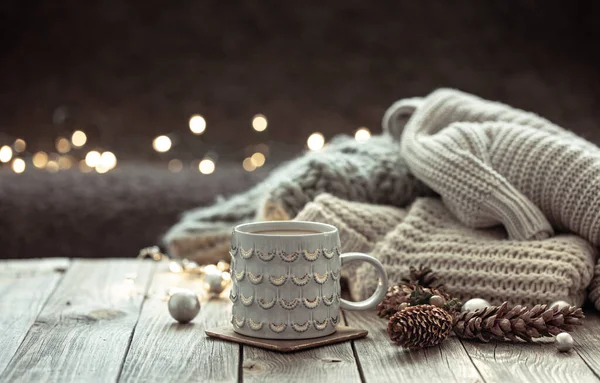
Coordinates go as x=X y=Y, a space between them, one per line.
x=437 y=300
x=475 y=304
x=560 y=304
x=213 y=282
x=184 y=306
x=564 y=342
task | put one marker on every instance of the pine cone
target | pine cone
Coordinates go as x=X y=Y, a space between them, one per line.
x=396 y=295
x=413 y=295
x=423 y=276
x=519 y=323
x=420 y=326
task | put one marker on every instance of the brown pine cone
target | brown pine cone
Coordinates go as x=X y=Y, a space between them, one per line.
x=423 y=276
x=519 y=323
x=396 y=295
x=420 y=326
x=413 y=295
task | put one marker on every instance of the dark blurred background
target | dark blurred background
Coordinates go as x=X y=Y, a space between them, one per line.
x=127 y=72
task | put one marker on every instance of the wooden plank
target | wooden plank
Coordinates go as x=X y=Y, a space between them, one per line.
x=382 y=361
x=25 y=286
x=539 y=361
x=587 y=341
x=333 y=363
x=164 y=351
x=84 y=330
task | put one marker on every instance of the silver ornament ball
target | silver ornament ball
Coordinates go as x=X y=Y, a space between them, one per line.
x=184 y=306
x=475 y=304
x=560 y=304
x=213 y=282
x=564 y=342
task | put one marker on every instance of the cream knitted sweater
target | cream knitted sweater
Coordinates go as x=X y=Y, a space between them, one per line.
x=472 y=262
x=495 y=164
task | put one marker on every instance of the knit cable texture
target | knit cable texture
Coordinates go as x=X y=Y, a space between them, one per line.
x=495 y=164
x=372 y=171
x=360 y=225
x=481 y=263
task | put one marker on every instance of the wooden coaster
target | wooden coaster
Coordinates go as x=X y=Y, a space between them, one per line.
x=342 y=334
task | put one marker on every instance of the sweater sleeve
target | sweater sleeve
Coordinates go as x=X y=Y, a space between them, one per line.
x=451 y=156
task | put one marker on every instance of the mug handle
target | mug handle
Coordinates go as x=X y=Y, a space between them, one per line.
x=382 y=286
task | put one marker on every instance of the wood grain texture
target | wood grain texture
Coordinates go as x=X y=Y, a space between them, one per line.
x=382 y=361
x=587 y=341
x=163 y=350
x=24 y=289
x=333 y=363
x=539 y=361
x=83 y=331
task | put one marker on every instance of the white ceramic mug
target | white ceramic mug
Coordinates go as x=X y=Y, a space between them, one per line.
x=286 y=285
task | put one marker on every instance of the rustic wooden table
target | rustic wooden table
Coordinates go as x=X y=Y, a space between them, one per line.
x=106 y=320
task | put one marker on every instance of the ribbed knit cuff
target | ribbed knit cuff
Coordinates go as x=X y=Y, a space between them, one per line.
x=521 y=218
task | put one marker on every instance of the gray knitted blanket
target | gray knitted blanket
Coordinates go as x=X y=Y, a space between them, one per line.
x=372 y=171
x=491 y=164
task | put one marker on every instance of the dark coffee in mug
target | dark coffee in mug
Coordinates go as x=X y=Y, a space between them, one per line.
x=285 y=232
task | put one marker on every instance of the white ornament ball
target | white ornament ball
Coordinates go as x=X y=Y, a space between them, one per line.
x=214 y=282
x=475 y=304
x=564 y=342
x=184 y=306
x=560 y=304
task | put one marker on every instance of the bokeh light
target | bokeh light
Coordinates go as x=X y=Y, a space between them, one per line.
x=259 y=123
x=40 y=159
x=20 y=145
x=108 y=160
x=197 y=124
x=258 y=159
x=248 y=165
x=101 y=168
x=175 y=166
x=362 y=134
x=18 y=165
x=63 y=145
x=92 y=158
x=161 y=144
x=207 y=166
x=65 y=162
x=52 y=166
x=6 y=153
x=78 y=138
x=315 y=141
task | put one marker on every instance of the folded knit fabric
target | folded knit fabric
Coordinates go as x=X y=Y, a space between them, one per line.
x=495 y=164
x=480 y=263
x=594 y=289
x=372 y=171
x=360 y=225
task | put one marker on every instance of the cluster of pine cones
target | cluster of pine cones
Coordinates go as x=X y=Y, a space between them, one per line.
x=422 y=314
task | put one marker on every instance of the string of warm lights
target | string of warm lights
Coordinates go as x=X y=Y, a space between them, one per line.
x=105 y=161
x=216 y=277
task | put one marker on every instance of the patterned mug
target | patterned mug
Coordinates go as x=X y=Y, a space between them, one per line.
x=286 y=280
